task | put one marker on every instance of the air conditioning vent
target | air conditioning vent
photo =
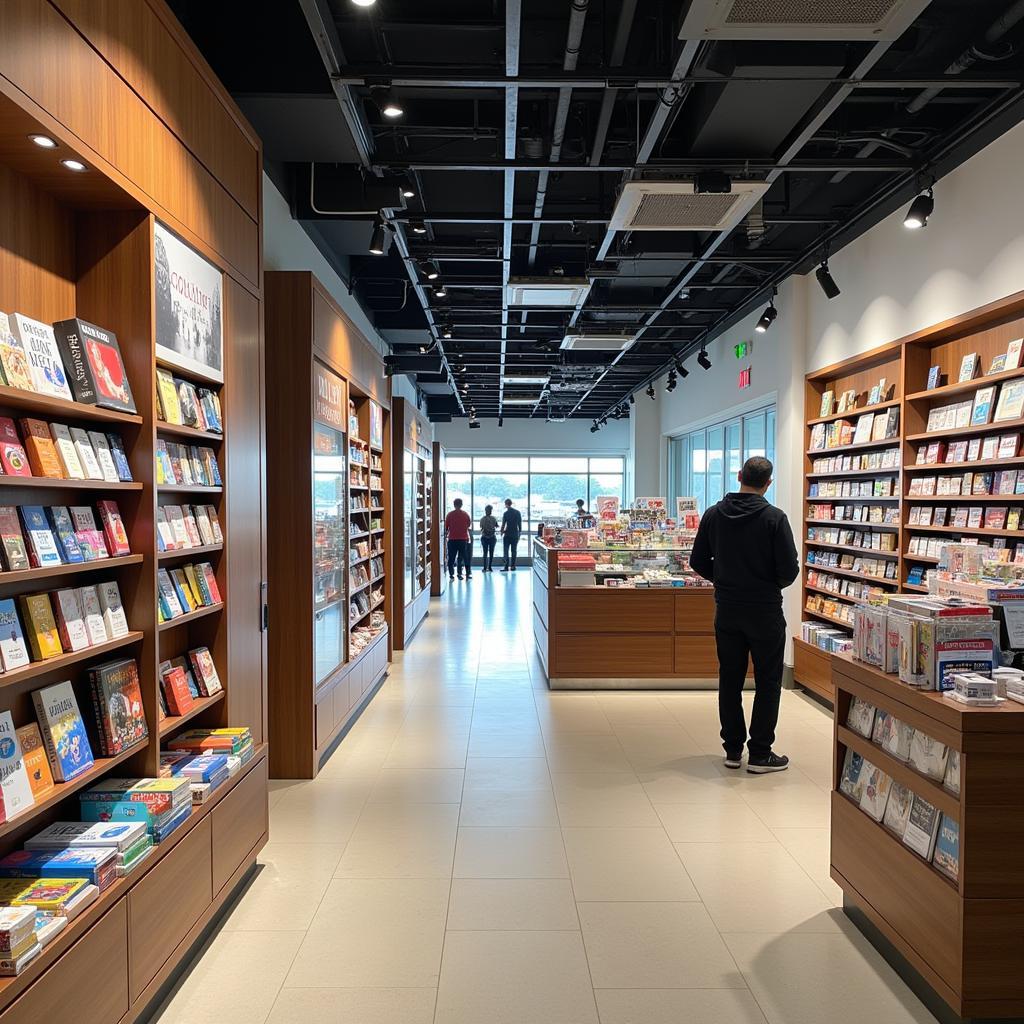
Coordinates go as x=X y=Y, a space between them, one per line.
x=551 y=292
x=840 y=20
x=520 y=399
x=597 y=342
x=675 y=206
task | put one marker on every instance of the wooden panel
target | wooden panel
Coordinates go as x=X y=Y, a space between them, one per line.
x=695 y=611
x=166 y=903
x=918 y=903
x=696 y=657
x=339 y=342
x=623 y=656
x=993 y=938
x=992 y=829
x=606 y=611
x=239 y=820
x=92 y=977
x=812 y=668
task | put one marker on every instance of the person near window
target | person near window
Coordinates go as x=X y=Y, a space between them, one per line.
x=583 y=517
x=511 y=528
x=488 y=537
x=457 y=525
x=745 y=547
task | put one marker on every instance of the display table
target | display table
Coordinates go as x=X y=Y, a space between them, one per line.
x=591 y=636
x=963 y=938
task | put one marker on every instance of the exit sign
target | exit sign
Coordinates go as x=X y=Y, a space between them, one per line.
x=742 y=350
x=744 y=380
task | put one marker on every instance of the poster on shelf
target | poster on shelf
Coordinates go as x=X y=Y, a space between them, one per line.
x=189 y=313
x=658 y=505
x=607 y=507
x=687 y=513
x=574 y=538
x=376 y=425
x=328 y=397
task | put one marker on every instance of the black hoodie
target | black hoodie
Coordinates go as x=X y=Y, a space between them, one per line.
x=745 y=547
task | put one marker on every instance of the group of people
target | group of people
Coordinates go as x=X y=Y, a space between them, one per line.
x=458 y=527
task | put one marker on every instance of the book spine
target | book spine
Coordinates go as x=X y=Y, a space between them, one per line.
x=44 y=727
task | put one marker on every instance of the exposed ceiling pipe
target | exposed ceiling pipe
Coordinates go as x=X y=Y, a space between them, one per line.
x=627 y=12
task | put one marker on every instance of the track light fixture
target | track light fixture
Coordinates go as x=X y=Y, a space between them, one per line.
x=389 y=104
x=429 y=347
x=418 y=227
x=446 y=331
x=673 y=380
x=364 y=3
x=680 y=369
x=632 y=398
x=920 y=210
x=703 y=360
x=429 y=270
x=501 y=421
x=826 y=280
x=377 y=240
x=651 y=393
x=767 y=319
x=440 y=291
x=594 y=428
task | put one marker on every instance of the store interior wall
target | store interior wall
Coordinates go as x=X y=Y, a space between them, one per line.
x=521 y=436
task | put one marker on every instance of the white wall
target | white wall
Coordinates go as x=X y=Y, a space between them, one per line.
x=534 y=436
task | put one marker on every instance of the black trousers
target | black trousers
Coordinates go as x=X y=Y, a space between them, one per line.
x=488 y=544
x=510 y=544
x=757 y=632
x=458 y=552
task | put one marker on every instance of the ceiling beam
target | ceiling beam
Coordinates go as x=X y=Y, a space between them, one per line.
x=742 y=165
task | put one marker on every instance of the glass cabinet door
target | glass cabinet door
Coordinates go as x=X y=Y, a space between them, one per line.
x=330 y=549
x=409 y=507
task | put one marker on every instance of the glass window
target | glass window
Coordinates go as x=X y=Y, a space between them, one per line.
x=754 y=437
x=602 y=484
x=698 y=468
x=607 y=465
x=555 y=494
x=560 y=465
x=458 y=464
x=716 y=465
x=500 y=464
x=459 y=485
x=494 y=488
x=733 y=455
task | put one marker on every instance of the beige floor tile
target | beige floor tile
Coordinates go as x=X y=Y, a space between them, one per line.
x=755 y=887
x=655 y=945
x=354 y=1006
x=802 y=805
x=507 y=773
x=236 y=980
x=810 y=848
x=491 y=741
x=693 y=780
x=485 y=807
x=673 y=1006
x=324 y=812
x=634 y=864
x=806 y=979
x=713 y=823
x=512 y=904
x=602 y=798
x=374 y=933
x=585 y=752
x=418 y=785
x=515 y=978
x=510 y=853
x=402 y=841
x=287 y=889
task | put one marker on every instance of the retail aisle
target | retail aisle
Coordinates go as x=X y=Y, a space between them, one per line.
x=480 y=850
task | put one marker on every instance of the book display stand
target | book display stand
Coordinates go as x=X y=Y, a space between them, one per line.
x=438 y=553
x=86 y=244
x=328 y=470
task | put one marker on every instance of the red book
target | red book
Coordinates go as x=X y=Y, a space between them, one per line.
x=12 y=453
x=179 y=699
x=113 y=529
x=211 y=581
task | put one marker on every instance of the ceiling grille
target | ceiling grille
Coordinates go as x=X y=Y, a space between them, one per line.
x=675 y=206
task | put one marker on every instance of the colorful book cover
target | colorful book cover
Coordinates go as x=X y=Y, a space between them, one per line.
x=113 y=528
x=981 y=411
x=40 y=778
x=205 y=767
x=120 y=457
x=168 y=596
x=52 y=895
x=875 y=791
x=44 y=362
x=968 y=367
x=13 y=360
x=93 y=361
x=42 y=452
x=92 y=615
x=1013 y=353
x=188 y=404
x=13 y=649
x=197 y=585
x=897 y=809
x=14 y=781
x=189 y=601
x=43 y=636
x=176 y=691
x=211 y=580
x=176 y=521
x=89 y=538
x=168 y=395
x=117 y=835
x=114 y=620
x=218 y=535
x=67 y=453
x=13 y=456
x=1011 y=401
x=96 y=864
x=101 y=446
x=57 y=835
x=70 y=620
x=13 y=542
x=205 y=671
x=119 y=705
x=164 y=532
x=191 y=528
x=42 y=546
x=922 y=827
x=63 y=731
x=86 y=454
x=64 y=531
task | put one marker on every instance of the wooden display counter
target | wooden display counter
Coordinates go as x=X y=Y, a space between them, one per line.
x=962 y=938
x=593 y=638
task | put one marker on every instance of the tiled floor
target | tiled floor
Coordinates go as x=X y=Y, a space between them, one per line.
x=482 y=851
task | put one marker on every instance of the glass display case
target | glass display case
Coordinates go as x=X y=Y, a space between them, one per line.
x=330 y=550
x=409 y=525
x=657 y=565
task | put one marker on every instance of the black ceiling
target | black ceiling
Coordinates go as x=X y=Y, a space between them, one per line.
x=524 y=118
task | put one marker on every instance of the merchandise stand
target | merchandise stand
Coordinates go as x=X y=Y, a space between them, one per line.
x=160 y=143
x=905 y=365
x=328 y=469
x=964 y=937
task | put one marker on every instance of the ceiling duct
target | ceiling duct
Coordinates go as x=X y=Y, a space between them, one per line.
x=552 y=292
x=820 y=20
x=597 y=342
x=678 y=206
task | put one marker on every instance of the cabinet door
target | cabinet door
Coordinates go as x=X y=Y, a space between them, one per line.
x=239 y=822
x=330 y=549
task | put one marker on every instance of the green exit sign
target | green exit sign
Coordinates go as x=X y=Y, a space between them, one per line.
x=742 y=350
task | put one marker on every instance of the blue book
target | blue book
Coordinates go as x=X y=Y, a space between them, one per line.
x=65 y=532
x=116 y=810
x=42 y=545
x=64 y=735
x=117 y=452
x=86 y=862
x=203 y=768
x=947 y=848
x=161 y=833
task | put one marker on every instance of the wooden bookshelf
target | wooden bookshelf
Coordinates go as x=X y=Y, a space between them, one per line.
x=85 y=245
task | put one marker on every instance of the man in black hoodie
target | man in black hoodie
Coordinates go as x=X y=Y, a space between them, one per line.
x=745 y=547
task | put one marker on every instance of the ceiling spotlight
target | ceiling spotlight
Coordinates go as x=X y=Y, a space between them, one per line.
x=680 y=369
x=377 y=241
x=424 y=349
x=920 y=210
x=593 y=429
x=418 y=227
x=632 y=398
x=673 y=380
x=44 y=141
x=650 y=391
x=767 y=319
x=446 y=333
x=440 y=291
x=389 y=105
x=501 y=421
x=74 y=165
x=408 y=192
x=704 y=361
x=461 y=368
x=826 y=280
x=364 y=3
x=430 y=271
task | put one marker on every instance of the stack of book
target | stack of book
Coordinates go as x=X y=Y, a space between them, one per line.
x=180 y=527
x=96 y=864
x=54 y=900
x=18 y=942
x=129 y=840
x=186 y=589
x=234 y=743
x=205 y=772
x=187 y=465
x=180 y=402
x=161 y=804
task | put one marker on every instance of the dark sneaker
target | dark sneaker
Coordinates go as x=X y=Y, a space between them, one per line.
x=505 y=569
x=469 y=575
x=764 y=765
x=733 y=760
x=460 y=575
x=451 y=575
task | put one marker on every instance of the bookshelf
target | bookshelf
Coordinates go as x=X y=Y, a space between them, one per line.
x=439 y=508
x=328 y=470
x=84 y=245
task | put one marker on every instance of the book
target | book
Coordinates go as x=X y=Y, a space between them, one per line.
x=968 y=367
x=861 y=716
x=951 y=780
x=164 y=533
x=897 y=809
x=63 y=731
x=211 y=513
x=44 y=362
x=1011 y=401
x=176 y=691
x=928 y=756
x=922 y=827
x=101 y=446
x=169 y=605
x=92 y=615
x=113 y=529
x=43 y=637
x=67 y=453
x=205 y=671
x=14 y=782
x=862 y=432
x=167 y=393
x=934 y=377
x=114 y=620
x=12 y=967
x=898 y=738
x=120 y=717
x=188 y=405
x=981 y=411
x=206 y=570
x=1013 y=354
x=998 y=363
x=70 y=620
x=115 y=835
x=827 y=403
x=176 y=521
x=875 y=791
x=13 y=456
x=12 y=540
x=65 y=897
x=852 y=782
x=93 y=362
x=120 y=457
x=87 y=454
x=13 y=360
x=64 y=531
x=89 y=538
x=13 y=650
x=42 y=452
x=16 y=925
x=197 y=585
x=96 y=864
x=33 y=753
x=42 y=546
x=58 y=835
x=947 y=848
x=189 y=600
x=1008 y=446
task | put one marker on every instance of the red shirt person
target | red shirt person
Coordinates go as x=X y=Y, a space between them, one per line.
x=457 y=525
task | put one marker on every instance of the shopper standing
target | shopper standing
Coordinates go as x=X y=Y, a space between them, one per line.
x=488 y=537
x=511 y=528
x=745 y=547
x=456 y=528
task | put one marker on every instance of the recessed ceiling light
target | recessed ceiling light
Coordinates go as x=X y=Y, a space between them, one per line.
x=418 y=227
x=44 y=140
x=526 y=379
x=408 y=193
x=440 y=291
x=364 y=3
x=74 y=165
x=389 y=104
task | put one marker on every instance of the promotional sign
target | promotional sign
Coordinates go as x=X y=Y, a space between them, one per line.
x=189 y=315
x=328 y=397
x=607 y=507
x=376 y=425
x=687 y=515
